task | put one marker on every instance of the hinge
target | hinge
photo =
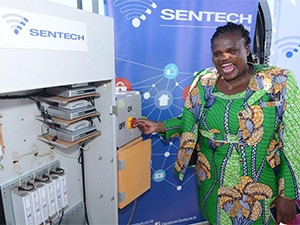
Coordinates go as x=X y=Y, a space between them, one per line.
x=121 y=164
x=150 y=164
x=121 y=196
x=113 y=110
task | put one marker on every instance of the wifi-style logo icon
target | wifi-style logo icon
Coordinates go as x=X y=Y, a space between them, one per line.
x=289 y=45
x=135 y=10
x=16 y=21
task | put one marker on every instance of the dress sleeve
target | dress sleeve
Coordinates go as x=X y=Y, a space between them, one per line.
x=191 y=112
x=289 y=173
x=188 y=129
x=173 y=127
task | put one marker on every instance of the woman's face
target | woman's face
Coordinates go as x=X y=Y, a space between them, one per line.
x=229 y=55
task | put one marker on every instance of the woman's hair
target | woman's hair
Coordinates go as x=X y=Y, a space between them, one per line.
x=234 y=28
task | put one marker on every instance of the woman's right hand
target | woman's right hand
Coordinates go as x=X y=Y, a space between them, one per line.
x=150 y=126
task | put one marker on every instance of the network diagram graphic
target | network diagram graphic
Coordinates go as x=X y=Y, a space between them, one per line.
x=163 y=96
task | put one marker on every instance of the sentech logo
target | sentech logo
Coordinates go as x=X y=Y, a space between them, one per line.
x=56 y=34
x=18 y=22
x=135 y=10
x=169 y=14
x=30 y=30
x=138 y=11
x=15 y=21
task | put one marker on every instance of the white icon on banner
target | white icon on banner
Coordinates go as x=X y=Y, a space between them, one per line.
x=146 y=95
x=135 y=10
x=171 y=71
x=120 y=86
x=159 y=175
x=163 y=100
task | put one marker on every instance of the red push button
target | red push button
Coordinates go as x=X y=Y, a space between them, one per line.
x=131 y=123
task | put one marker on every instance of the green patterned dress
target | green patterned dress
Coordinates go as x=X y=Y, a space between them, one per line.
x=247 y=144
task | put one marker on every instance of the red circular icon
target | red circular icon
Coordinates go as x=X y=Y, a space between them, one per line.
x=122 y=84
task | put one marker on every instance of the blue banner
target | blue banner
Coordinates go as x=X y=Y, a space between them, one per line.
x=159 y=45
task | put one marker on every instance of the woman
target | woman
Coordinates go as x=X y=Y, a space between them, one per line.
x=234 y=117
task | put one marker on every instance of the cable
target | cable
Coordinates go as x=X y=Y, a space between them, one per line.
x=46 y=117
x=44 y=133
x=17 y=167
x=44 y=180
x=62 y=215
x=20 y=188
x=47 y=178
x=84 y=147
x=132 y=213
x=81 y=161
x=55 y=217
x=16 y=158
x=92 y=101
x=57 y=171
x=76 y=155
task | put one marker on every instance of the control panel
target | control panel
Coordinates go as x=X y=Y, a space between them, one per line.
x=128 y=111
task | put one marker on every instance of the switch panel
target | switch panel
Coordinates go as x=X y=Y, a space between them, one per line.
x=128 y=110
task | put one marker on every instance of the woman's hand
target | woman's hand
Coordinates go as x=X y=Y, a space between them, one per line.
x=286 y=209
x=149 y=126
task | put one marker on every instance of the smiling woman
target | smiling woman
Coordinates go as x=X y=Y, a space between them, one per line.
x=238 y=119
x=230 y=57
